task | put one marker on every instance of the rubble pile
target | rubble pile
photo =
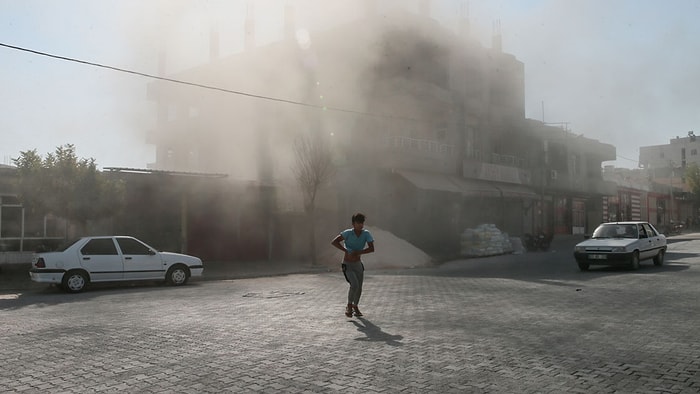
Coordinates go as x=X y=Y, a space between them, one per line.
x=485 y=240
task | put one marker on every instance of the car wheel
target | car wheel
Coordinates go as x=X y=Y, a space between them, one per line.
x=634 y=263
x=177 y=275
x=583 y=266
x=74 y=281
x=659 y=259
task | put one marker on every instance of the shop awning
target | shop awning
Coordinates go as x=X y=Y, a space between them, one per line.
x=476 y=188
x=464 y=186
x=430 y=181
x=516 y=191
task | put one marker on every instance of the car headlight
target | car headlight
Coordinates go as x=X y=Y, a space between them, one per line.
x=579 y=249
x=618 y=249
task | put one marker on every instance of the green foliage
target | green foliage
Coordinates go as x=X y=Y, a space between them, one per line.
x=66 y=186
x=692 y=178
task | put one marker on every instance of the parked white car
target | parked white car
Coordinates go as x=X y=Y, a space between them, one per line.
x=621 y=243
x=111 y=259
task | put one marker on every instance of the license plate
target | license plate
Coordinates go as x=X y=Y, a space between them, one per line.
x=597 y=256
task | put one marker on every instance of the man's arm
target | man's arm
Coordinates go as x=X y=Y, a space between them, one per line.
x=337 y=243
x=368 y=249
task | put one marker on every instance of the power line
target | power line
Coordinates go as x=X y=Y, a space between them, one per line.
x=626 y=158
x=199 y=85
x=216 y=88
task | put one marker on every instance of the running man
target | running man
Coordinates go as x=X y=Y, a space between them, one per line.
x=352 y=242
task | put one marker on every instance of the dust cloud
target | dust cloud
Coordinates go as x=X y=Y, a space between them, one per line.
x=320 y=54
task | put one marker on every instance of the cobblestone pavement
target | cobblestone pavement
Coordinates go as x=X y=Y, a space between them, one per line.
x=521 y=324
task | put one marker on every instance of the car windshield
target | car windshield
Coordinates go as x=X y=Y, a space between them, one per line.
x=616 y=231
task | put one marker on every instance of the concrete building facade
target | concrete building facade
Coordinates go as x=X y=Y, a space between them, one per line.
x=674 y=157
x=641 y=196
x=427 y=128
x=666 y=167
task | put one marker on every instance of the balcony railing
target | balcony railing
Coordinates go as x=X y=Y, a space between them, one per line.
x=508 y=160
x=503 y=160
x=408 y=144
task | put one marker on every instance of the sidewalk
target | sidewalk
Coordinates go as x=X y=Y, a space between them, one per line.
x=14 y=277
x=567 y=242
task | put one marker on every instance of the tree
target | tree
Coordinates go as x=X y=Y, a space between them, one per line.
x=67 y=187
x=314 y=167
x=692 y=177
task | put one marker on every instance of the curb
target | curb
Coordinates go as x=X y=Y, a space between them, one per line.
x=15 y=277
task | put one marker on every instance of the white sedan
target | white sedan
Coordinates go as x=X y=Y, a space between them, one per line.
x=111 y=259
x=621 y=243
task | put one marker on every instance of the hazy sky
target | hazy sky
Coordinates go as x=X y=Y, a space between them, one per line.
x=624 y=72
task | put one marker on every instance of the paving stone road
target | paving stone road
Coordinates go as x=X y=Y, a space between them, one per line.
x=527 y=323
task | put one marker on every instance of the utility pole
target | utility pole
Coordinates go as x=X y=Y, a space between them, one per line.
x=670 y=192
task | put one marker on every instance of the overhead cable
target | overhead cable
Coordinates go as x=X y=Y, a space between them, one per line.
x=210 y=87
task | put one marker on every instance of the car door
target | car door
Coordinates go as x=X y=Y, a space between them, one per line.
x=99 y=256
x=654 y=237
x=646 y=246
x=140 y=260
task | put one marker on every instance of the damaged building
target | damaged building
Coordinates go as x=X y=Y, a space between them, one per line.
x=427 y=127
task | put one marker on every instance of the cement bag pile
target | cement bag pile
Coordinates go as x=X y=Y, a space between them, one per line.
x=485 y=240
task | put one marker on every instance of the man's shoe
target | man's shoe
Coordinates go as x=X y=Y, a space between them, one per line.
x=348 y=310
x=357 y=310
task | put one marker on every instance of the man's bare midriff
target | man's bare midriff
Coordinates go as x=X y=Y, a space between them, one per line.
x=351 y=257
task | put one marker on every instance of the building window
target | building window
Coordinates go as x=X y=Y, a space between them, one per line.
x=661 y=155
x=574 y=165
x=693 y=152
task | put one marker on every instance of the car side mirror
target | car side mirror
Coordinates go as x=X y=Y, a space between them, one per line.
x=586 y=236
x=151 y=252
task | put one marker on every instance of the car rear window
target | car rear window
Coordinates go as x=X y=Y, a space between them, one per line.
x=64 y=246
x=650 y=230
x=99 y=246
x=132 y=246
